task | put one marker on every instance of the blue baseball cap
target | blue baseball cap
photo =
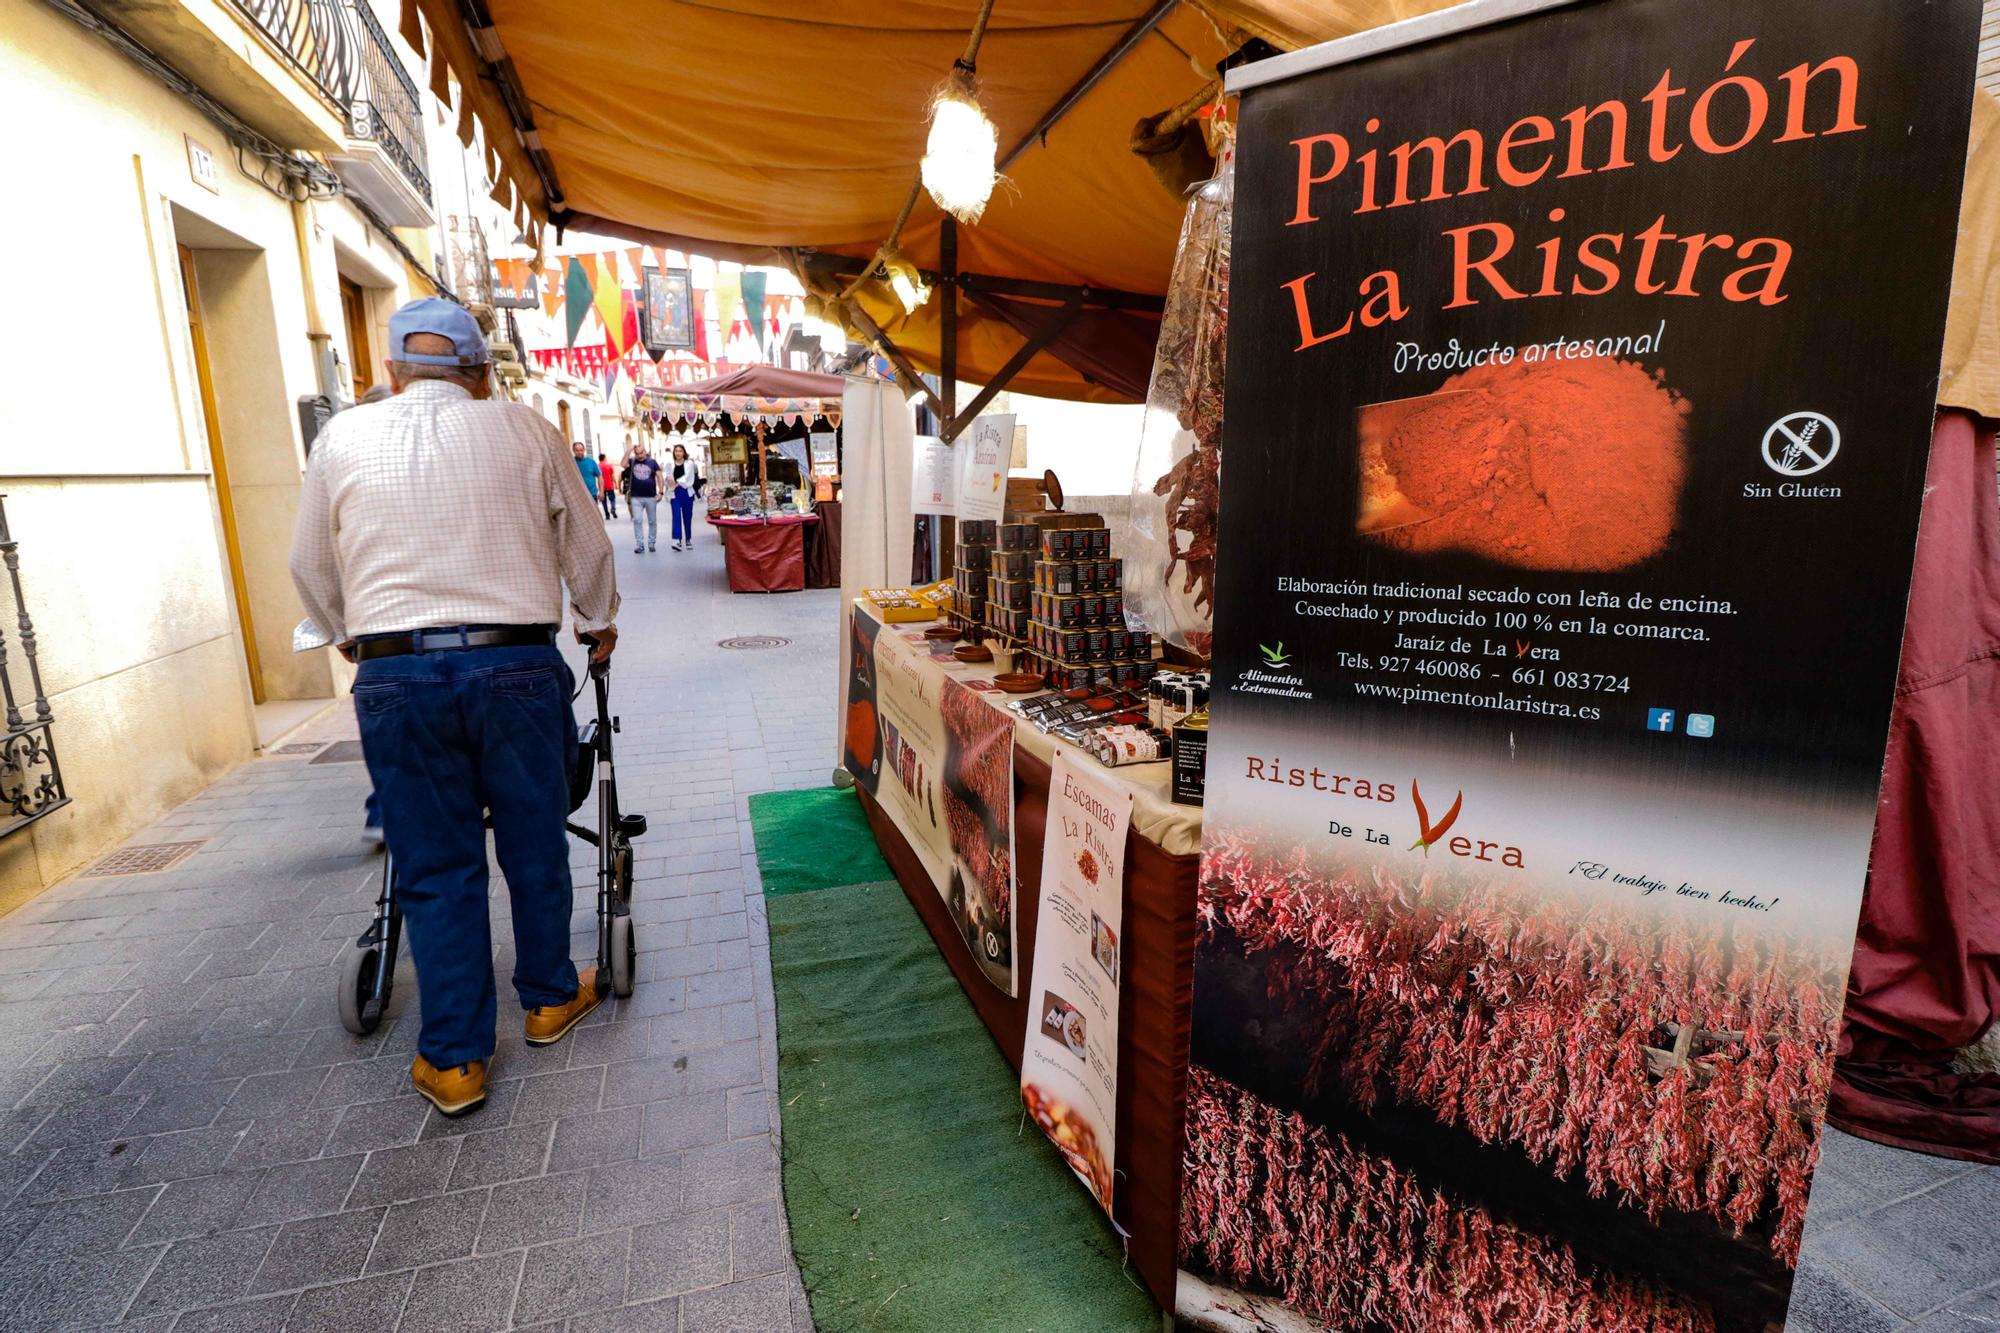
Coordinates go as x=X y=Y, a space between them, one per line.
x=447 y=319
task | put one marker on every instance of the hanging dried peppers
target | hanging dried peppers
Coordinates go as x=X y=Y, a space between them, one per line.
x=1542 y=1025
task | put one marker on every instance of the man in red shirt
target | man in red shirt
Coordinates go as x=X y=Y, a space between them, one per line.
x=607 y=489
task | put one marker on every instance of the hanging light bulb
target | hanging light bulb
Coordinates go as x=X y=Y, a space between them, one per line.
x=906 y=280
x=958 y=157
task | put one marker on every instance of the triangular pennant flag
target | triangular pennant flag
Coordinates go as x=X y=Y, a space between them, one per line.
x=552 y=295
x=576 y=295
x=699 y=307
x=728 y=297
x=608 y=293
x=630 y=330
x=622 y=331
x=636 y=257
x=754 y=281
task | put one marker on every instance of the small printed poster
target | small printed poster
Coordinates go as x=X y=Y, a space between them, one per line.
x=1069 y=1064
x=933 y=477
x=824 y=448
x=979 y=824
x=939 y=760
x=984 y=452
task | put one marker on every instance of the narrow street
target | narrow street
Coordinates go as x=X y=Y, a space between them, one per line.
x=193 y=1142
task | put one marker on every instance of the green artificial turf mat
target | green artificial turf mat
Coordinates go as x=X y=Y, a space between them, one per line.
x=814 y=839
x=917 y=1200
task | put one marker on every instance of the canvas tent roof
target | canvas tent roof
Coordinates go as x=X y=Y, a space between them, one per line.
x=759 y=130
x=744 y=128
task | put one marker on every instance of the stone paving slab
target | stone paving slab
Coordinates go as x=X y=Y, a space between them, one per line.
x=189 y=1141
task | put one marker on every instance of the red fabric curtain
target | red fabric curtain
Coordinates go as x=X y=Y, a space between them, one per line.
x=1926 y=977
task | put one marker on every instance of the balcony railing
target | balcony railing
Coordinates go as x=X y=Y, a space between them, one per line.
x=313 y=36
x=384 y=105
x=341 y=49
x=31 y=782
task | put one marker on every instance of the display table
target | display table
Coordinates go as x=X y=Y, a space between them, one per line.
x=1162 y=862
x=823 y=547
x=764 y=554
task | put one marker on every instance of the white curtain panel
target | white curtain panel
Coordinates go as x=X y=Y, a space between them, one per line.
x=877 y=529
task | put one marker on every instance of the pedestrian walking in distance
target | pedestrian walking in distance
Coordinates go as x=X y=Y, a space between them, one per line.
x=643 y=499
x=607 y=487
x=686 y=481
x=463 y=698
x=586 y=466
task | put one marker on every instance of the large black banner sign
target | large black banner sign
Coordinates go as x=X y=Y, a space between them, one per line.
x=1581 y=370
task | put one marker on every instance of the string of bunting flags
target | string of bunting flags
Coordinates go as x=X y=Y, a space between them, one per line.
x=665 y=407
x=648 y=302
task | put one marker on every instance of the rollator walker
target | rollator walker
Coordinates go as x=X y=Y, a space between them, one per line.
x=368 y=970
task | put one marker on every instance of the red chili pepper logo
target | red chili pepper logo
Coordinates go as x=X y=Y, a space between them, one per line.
x=1429 y=833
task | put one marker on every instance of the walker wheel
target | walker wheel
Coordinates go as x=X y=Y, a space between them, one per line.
x=624 y=956
x=621 y=872
x=359 y=1011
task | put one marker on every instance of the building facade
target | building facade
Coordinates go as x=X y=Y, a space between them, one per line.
x=216 y=204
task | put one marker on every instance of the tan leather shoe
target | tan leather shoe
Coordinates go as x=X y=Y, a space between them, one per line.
x=552 y=1022
x=452 y=1091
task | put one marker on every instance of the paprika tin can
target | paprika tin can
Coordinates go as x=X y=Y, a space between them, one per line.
x=1070 y=676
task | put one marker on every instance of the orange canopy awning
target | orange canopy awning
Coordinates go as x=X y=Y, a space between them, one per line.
x=765 y=130
x=747 y=130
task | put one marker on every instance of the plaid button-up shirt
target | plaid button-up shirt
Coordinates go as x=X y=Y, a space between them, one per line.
x=433 y=509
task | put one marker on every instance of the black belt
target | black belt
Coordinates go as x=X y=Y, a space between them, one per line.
x=453 y=640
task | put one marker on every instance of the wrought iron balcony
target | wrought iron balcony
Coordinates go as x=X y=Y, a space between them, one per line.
x=384 y=105
x=341 y=49
x=31 y=782
x=313 y=36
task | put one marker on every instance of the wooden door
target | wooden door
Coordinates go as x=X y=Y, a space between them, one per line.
x=354 y=310
x=218 y=463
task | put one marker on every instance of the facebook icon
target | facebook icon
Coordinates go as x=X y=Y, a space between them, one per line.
x=1659 y=719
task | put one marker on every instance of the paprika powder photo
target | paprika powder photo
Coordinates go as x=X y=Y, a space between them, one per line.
x=1567 y=465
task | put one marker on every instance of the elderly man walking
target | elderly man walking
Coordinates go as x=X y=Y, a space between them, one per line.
x=463 y=698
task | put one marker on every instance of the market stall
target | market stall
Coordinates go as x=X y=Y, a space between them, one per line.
x=905 y=719
x=766 y=525
x=764 y=554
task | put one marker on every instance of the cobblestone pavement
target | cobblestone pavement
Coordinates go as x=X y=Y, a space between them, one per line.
x=1899 y=1242
x=192 y=1142
x=189 y=1141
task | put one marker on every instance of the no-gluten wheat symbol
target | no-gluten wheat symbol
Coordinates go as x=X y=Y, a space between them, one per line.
x=1428 y=832
x=1800 y=444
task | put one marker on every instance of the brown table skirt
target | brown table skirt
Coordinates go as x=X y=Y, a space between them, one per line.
x=1153 y=1012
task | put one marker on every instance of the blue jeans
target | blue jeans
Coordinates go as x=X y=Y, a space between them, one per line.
x=645 y=507
x=683 y=506
x=448 y=736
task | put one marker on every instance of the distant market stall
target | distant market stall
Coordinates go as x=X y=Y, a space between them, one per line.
x=775 y=540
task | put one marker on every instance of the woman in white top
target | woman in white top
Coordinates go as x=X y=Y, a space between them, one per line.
x=685 y=478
